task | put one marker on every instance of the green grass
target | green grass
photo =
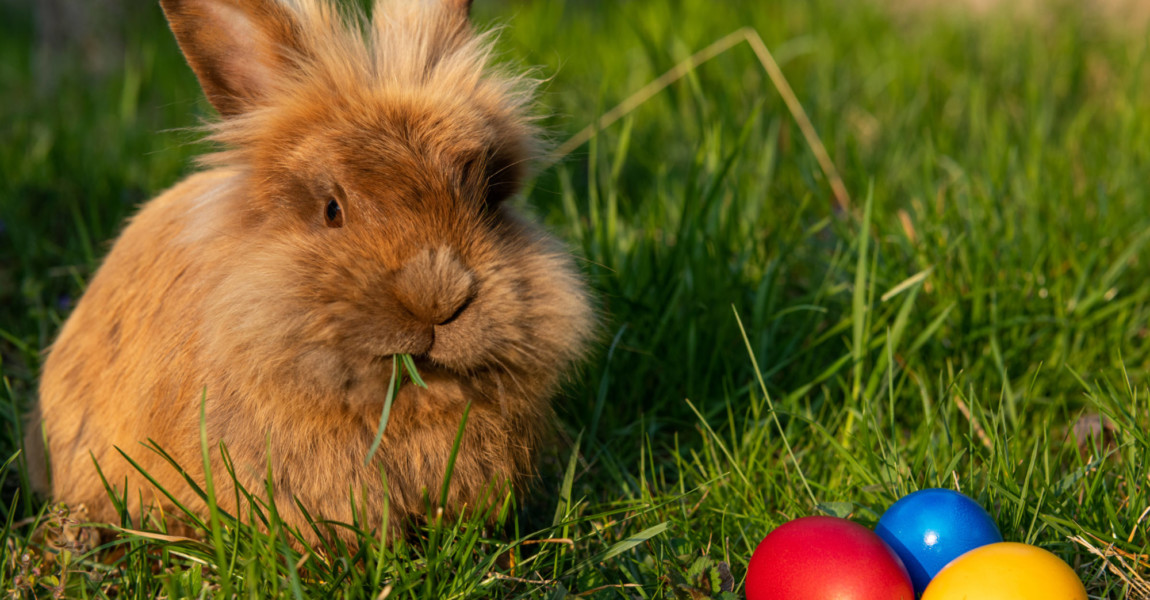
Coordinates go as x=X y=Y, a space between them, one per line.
x=763 y=357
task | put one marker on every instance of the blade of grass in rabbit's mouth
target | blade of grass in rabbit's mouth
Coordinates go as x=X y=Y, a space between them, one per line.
x=400 y=364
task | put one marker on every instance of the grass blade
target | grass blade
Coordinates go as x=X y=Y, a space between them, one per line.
x=392 y=386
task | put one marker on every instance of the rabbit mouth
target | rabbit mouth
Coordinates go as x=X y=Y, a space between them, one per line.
x=436 y=348
x=430 y=369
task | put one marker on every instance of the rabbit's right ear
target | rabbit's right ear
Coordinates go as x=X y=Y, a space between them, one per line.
x=237 y=48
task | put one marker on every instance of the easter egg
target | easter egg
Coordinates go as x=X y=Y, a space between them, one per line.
x=825 y=557
x=1006 y=571
x=929 y=528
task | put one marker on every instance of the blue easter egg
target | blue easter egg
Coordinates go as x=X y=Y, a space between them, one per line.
x=930 y=528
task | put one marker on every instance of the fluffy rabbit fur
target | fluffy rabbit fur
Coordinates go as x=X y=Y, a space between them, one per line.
x=356 y=211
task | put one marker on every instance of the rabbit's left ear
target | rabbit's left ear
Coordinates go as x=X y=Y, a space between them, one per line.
x=460 y=6
x=239 y=49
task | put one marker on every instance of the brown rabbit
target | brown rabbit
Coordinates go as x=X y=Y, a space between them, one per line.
x=356 y=212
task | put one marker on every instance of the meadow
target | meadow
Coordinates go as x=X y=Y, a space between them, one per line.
x=976 y=319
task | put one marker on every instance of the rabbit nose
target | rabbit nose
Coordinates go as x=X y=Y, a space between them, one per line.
x=434 y=286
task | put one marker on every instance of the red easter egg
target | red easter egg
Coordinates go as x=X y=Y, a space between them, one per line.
x=826 y=557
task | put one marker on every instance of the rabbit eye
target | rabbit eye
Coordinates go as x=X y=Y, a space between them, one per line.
x=333 y=213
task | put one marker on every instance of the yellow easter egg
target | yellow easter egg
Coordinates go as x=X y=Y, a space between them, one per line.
x=1006 y=571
